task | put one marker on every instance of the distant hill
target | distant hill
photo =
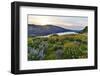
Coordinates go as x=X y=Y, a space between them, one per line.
x=38 y=30
x=85 y=30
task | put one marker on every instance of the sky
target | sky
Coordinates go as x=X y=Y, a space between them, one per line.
x=69 y=22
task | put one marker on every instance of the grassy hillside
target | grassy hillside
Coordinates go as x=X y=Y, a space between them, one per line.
x=72 y=46
x=85 y=30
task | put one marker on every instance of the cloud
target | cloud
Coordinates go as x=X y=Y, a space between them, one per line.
x=72 y=22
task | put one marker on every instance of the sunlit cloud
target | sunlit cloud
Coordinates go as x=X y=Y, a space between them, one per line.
x=71 y=22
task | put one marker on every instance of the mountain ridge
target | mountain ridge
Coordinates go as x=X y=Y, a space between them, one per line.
x=38 y=30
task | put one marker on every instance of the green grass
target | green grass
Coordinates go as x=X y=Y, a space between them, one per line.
x=72 y=46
